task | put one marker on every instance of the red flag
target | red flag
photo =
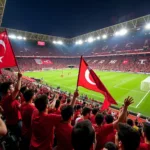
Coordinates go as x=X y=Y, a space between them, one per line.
x=7 y=58
x=89 y=80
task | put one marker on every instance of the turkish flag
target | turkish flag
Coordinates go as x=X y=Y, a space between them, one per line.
x=89 y=80
x=7 y=58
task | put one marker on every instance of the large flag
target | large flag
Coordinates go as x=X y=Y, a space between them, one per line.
x=89 y=80
x=7 y=58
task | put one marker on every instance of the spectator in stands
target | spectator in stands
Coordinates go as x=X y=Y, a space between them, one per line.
x=3 y=129
x=94 y=112
x=64 y=129
x=102 y=131
x=86 y=113
x=111 y=137
x=27 y=109
x=57 y=107
x=146 y=134
x=83 y=136
x=130 y=122
x=127 y=138
x=110 y=146
x=11 y=106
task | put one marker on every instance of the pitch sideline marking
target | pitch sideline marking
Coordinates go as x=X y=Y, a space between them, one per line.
x=128 y=89
x=142 y=99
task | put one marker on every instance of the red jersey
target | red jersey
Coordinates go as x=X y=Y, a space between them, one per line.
x=101 y=134
x=43 y=130
x=93 y=119
x=144 y=146
x=26 y=112
x=111 y=136
x=63 y=136
x=11 y=110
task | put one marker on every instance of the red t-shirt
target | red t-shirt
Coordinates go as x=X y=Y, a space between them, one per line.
x=101 y=134
x=11 y=110
x=63 y=136
x=93 y=119
x=144 y=146
x=111 y=136
x=26 y=112
x=43 y=130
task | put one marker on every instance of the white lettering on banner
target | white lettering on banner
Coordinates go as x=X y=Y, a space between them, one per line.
x=142 y=61
x=101 y=62
x=112 y=61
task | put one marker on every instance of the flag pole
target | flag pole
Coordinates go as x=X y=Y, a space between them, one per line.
x=79 y=73
x=13 y=51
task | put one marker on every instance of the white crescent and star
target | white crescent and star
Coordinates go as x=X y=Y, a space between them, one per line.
x=3 y=44
x=87 y=73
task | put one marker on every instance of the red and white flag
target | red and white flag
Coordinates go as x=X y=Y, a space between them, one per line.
x=7 y=58
x=89 y=80
x=43 y=61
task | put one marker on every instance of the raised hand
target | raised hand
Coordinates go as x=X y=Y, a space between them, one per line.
x=19 y=75
x=128 y=101
x=76 y=94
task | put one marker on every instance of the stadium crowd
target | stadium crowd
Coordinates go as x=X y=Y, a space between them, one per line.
x=40 y=118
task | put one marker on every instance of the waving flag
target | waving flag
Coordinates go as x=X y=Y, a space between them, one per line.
x=7 y=58
x=89 y=80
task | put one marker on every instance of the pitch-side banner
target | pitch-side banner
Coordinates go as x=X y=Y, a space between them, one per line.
x=43 y=61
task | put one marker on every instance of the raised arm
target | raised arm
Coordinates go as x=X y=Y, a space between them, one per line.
x=18 y=87
x=3 y=129
x=123 y=114
x=76 y=94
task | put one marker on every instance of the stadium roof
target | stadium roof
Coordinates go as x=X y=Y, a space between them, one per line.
x=2 y=8
x=131 y=25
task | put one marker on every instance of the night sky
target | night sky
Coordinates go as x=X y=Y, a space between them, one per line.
x=69 y=18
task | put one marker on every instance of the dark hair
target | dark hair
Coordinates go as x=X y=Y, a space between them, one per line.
x=99 y=119
x=28 y=95
x=85 y=111
x=146 y=130
x=41 y=102
x=5 y=87
x=57 y=104
x=23 y=89
x=94 y=111
x=130 y=122
x=109 y=119
x=83 y=135
x=110 y=146
x=68 y=100
x=78 y=107
x=67 y=112
x=129 y=137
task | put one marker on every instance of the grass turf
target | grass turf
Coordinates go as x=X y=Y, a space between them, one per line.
x=120 y=85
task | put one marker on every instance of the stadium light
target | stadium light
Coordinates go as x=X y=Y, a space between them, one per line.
x=121 y=32
x=80 y=42
x=54 y=42
x=60 y=42
x=24 y=38
x=104 y=36
x=147 y=26
x=19 y=37
x=90 y=39
x=12 y=36
x=98 y=38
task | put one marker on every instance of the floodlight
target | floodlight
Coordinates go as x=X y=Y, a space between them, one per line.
x=104 y=36
x=80 y=42
x=19 y=37
x=90 y=39
x=54 y=42
x=117 y=33
x=123 y=31
x=60 y=42
x=12 y=36
x=98 y=38
x=147 y=26
x=24 y=38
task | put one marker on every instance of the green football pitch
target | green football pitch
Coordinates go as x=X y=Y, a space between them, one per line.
x=120 y=85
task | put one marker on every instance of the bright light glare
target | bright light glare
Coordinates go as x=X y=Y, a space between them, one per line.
x=12 y=36
x=60 y=42
x=19 y=37
x=98 y=38
x=24 y=38
x=147 y=26
x=123 y=31
x=104 y=36
x=54 y=42
x=80 y=42
x=117 y=33
x=90 y=39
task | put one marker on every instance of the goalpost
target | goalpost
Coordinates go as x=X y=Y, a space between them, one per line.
x=145 y=84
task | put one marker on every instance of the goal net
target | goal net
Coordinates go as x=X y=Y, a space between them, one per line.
x=145 y=84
